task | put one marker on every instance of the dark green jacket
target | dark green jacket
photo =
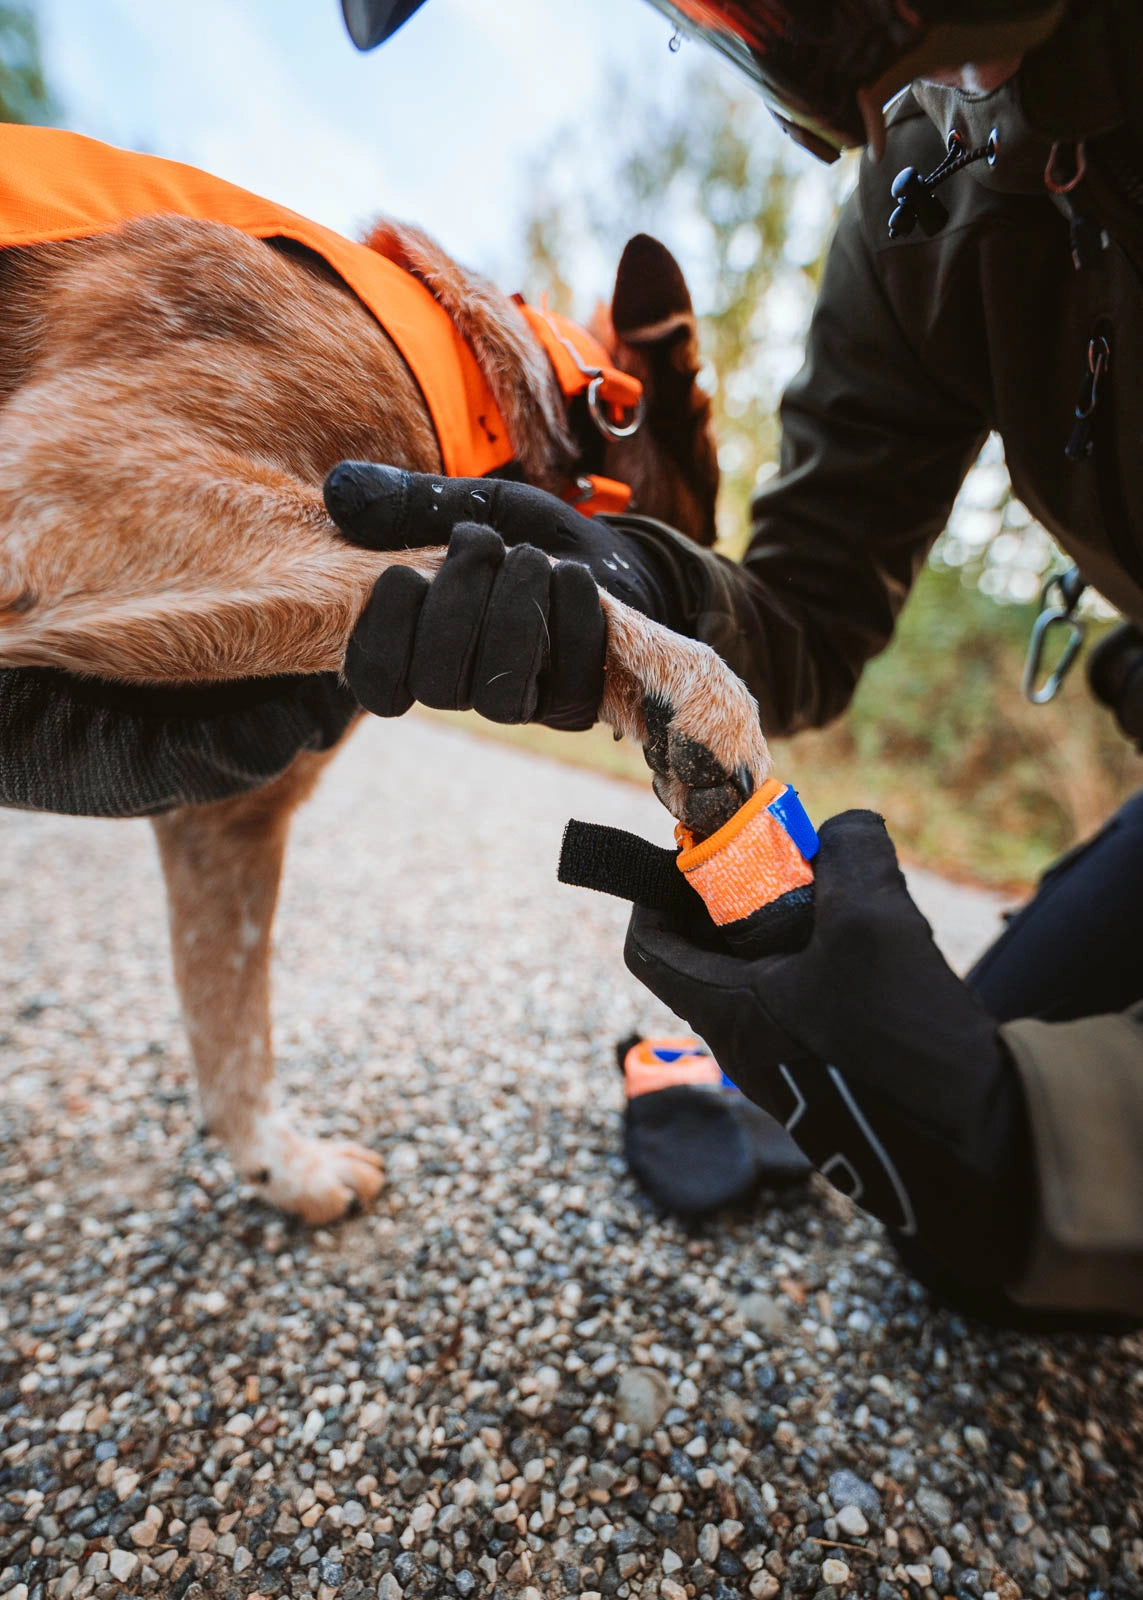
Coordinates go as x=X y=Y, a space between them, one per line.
x=918 y=348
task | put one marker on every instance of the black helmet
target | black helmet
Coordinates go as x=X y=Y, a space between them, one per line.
x=811 y=59
x=371 y=22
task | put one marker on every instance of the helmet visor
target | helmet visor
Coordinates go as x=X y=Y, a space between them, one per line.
x=807 y=59
x=371 y=22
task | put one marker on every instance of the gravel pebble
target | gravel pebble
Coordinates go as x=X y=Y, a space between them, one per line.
x=511 y=1378
x=852 y=1522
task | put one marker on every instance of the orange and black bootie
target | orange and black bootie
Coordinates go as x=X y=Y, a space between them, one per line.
x=692 y=1141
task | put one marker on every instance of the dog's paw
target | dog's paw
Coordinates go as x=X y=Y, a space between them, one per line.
x=318 y=1180
x=696 y=719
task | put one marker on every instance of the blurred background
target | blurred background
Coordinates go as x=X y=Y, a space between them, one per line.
x=532 y=138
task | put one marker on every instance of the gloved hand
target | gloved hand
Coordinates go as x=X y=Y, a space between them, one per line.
x=878 y=1060
x=501 y=631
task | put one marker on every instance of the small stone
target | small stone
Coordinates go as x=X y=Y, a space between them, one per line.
x=422 y=1518
x=696 y=1448
x=201 y=1536
x=547 y=1381
x=851 y=1521
x=709 y=1544
x=760 y=1311
x=847 y=1489
x=144 y=1533
x=671 y=1562
x=1101 y=1536
x=123 y=1564
x=934 y=1506
x=390 y=1589
x=670 y=1590
x=642 y=1399
x=764 y=1586
x=72 y=1421
x=977 y=1441
x=920 y=1574
x=240 y=1424
x=463 y=1582
x=242 y=1559
x=353 y=1514
x=828 y=1341
x=463 y=1492
x=214 y=1303
x=835 y=1572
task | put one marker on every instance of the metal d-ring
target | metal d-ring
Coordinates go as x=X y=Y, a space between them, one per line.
x=609 y=429
x=1070 y=586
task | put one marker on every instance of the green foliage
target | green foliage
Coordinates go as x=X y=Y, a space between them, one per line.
x=24 y=95
x=971 y=777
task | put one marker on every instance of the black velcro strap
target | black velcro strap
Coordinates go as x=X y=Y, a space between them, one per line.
x=614 y=862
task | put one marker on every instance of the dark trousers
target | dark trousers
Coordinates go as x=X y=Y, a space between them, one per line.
x=1075 y=950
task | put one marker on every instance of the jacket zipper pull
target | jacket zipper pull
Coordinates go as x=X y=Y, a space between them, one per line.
x=1079 y=444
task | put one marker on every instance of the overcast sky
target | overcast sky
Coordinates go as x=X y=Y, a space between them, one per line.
x=437 y=127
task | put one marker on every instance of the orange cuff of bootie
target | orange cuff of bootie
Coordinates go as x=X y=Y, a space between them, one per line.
x=757 y=859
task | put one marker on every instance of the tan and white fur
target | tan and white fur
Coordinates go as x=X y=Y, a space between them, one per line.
x=171 y=397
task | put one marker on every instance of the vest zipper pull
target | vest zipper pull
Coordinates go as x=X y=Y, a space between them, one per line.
x=1078 y=447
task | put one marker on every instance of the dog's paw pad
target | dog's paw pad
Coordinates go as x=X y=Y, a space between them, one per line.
x=318 y=1180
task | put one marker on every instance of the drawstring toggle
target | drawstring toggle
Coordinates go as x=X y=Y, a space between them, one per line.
x=916 y=204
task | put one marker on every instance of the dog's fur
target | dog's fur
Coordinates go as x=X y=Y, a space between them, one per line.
x=171 y=398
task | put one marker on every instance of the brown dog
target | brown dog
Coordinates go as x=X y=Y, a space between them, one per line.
x=172 y=395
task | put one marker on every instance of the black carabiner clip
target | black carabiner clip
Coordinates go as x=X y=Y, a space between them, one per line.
x=1071 y=586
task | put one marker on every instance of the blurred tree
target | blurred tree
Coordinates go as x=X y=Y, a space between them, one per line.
x=24 y=94
x=709 y=175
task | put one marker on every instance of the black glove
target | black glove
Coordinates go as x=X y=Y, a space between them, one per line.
x=879 y=1061
x=503 y=632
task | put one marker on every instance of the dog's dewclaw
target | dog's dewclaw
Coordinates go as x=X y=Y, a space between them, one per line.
x=697 y=721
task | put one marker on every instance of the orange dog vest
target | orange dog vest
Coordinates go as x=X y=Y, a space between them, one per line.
x=59 y=185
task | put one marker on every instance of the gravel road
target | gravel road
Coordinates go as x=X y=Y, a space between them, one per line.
x=512 y=1378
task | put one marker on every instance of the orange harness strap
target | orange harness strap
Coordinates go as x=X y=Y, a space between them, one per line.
x=59 y=185
x=614 y=398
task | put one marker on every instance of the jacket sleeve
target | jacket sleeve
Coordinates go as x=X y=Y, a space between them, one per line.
x=874 y=449
x=1083 y=1082
x=87 y=748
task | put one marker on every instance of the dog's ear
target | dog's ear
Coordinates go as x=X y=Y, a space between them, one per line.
x=651 y=304
x=656 y=339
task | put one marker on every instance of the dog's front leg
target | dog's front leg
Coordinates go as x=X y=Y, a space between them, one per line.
x=222 y=865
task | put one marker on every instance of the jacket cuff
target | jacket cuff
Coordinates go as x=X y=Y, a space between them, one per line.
x=1083 y=1082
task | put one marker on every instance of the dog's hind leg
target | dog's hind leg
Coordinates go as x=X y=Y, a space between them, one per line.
x=222 y=865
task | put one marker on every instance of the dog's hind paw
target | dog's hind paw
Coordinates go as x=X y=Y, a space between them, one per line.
x=318 y=1180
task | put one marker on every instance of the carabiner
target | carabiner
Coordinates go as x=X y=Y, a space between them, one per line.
x=1071 y=586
